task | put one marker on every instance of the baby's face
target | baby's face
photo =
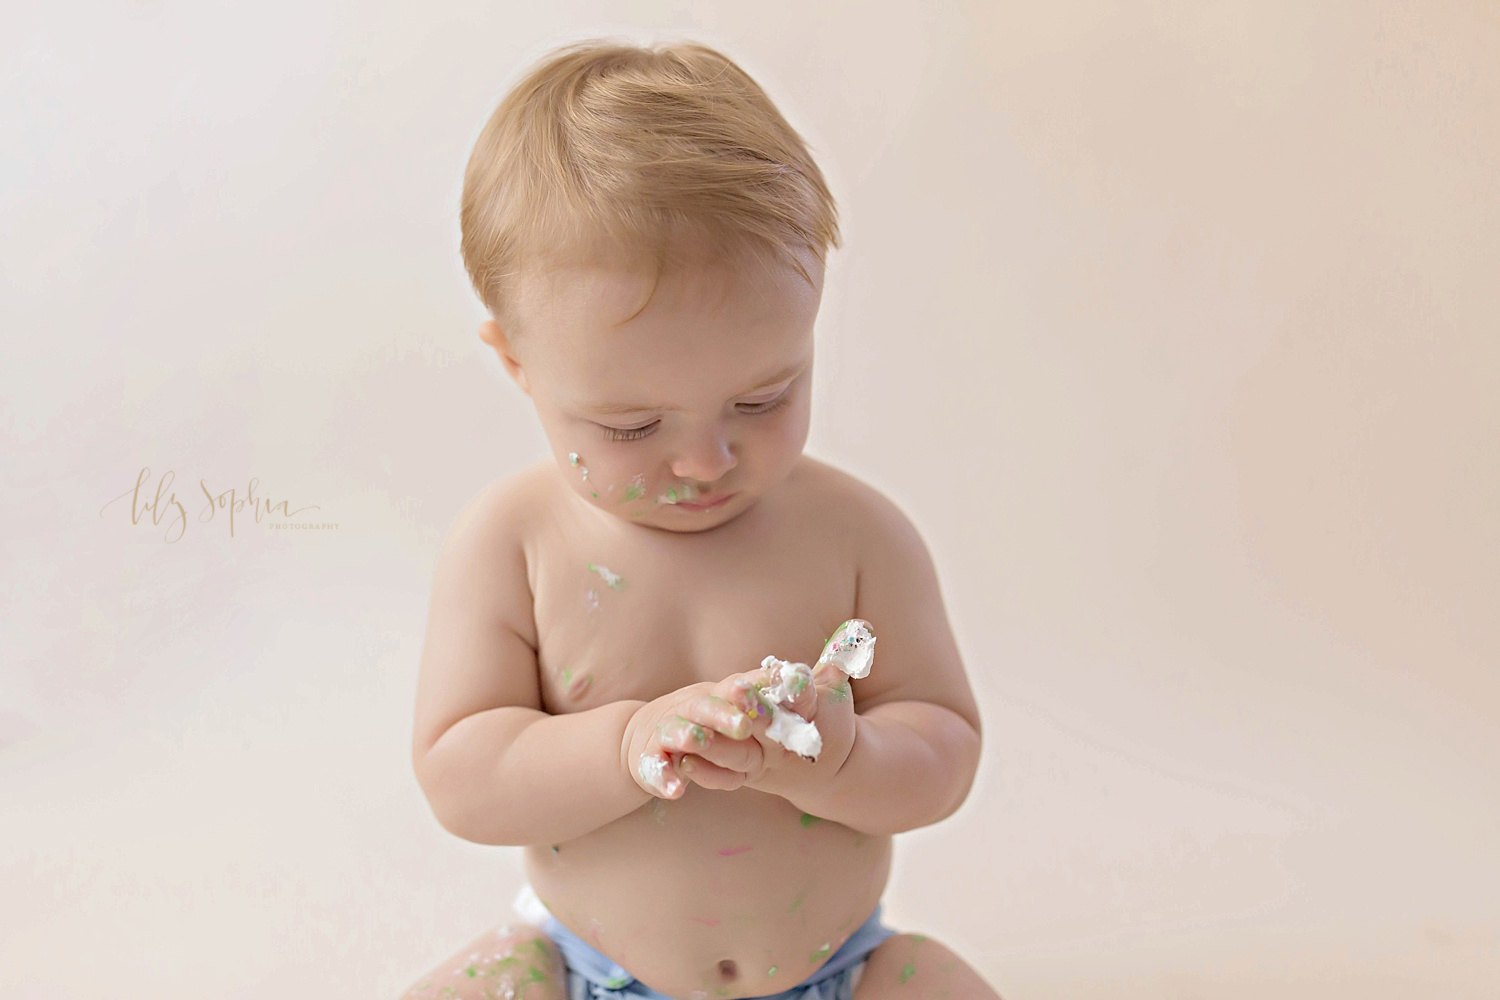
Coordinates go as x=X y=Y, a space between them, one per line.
x=655 y=415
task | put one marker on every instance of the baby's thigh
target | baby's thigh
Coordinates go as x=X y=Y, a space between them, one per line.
x=915 y=967
x=515 y=962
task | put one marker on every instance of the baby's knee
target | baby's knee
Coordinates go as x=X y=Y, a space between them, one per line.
x=905 y=962
x=505 y=963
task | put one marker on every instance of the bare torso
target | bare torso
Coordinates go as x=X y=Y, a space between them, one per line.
x=719 y=894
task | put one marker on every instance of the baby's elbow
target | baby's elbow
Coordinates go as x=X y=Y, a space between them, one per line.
x=964 y=753
x=458 y=816
x=454 y=807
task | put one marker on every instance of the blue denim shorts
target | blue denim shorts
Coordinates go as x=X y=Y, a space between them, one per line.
x=592 y=976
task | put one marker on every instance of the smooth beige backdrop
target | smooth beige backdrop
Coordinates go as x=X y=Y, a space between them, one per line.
x=1172 y=325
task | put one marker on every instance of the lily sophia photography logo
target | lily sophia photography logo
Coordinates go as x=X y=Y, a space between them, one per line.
x=164 y=506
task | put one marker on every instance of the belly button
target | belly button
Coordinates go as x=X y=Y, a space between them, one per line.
x=727 y=970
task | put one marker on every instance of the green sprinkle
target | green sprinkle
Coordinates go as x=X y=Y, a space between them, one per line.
x=567 y=676
x=616 y=982
x=808 y=819
x=771 y=971
x=471 y=972
x=907 y=971
x=538 y=944
x=841 y=693
x=537 y=975
x=796 y=903
x=820 y=954
x=672 y=495
x=596 y=496
x=918 y=938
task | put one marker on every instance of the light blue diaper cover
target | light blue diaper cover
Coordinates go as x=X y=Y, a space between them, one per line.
x=592 y=976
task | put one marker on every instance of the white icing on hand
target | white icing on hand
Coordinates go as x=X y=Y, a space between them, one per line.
x=652 y=768
x=797 y=734
x=851 y=648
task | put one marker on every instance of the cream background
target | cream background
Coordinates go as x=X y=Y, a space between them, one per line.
x=1171 y=325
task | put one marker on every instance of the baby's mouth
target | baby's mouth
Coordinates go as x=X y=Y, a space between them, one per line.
x=680 y=493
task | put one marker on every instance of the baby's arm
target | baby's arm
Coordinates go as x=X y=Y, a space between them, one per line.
x=902 y=754
x=495 y=767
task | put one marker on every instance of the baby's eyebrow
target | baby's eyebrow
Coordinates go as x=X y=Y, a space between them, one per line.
x=618 y=408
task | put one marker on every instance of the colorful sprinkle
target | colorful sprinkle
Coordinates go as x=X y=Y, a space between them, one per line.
x=797 y=903
x=820 y=954
x=907 y=971
x=808 y=819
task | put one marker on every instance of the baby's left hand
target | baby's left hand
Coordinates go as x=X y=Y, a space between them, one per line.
x=828 y=702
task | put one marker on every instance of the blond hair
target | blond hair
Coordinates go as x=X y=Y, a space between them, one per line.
x=610 y=151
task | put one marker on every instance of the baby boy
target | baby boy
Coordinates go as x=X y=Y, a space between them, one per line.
x=612 y=675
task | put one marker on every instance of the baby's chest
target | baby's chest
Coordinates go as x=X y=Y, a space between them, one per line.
x=630 y=621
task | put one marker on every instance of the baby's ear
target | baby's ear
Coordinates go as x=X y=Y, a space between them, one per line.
x=490 y=333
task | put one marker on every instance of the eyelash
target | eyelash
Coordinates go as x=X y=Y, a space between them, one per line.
x=636 y=433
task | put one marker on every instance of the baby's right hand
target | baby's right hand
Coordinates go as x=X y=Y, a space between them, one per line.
x=689 y=722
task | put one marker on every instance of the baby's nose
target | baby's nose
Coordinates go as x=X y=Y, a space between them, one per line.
x=704 y=459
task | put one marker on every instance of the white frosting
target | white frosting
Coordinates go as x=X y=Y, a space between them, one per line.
x=797 y=734
x=613 y=579
x=652 y=769
x=851 y=648
x=679 y=493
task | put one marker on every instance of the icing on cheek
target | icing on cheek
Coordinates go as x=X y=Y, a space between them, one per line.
x=635 y=489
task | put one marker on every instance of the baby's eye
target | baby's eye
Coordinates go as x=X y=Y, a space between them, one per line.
x=636 y=433
x=769 y=405
x=629 y=434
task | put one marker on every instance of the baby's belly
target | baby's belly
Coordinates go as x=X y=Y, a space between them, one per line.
x=722 y=894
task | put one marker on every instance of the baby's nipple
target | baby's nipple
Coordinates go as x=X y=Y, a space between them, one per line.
x=727 y=971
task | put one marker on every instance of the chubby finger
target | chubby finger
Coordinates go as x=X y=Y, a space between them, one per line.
x=745 y=756
x=681 y=733
x=710 y=775
x=717 y=713
x=745 y=692
x=792 y=687
x=658 y=773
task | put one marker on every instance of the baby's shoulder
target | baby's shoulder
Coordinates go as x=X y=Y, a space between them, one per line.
x=505 y=511
x=860 y=508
